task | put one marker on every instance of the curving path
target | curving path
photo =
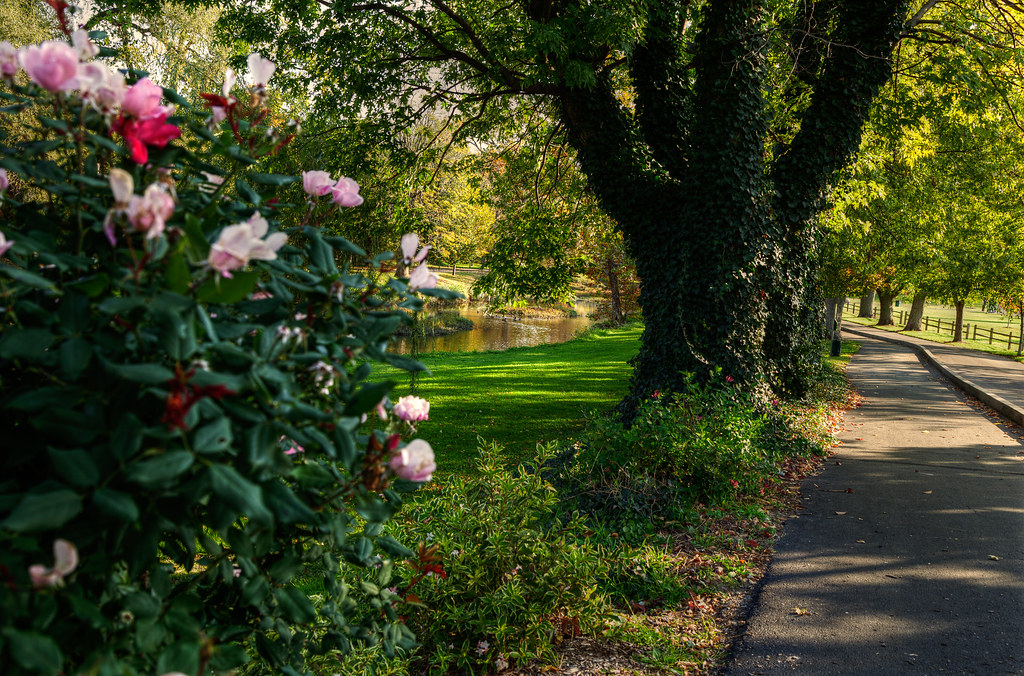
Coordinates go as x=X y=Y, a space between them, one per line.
x=908 y=555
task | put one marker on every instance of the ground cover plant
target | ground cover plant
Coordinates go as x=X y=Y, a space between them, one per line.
x=189 y=387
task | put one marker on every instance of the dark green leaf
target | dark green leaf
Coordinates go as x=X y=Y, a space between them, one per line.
x=240 y=493
x=44 y=511
x=228 y=290
x=35 y=652
x=116 y=504
x=163 y=467
x=295 y=605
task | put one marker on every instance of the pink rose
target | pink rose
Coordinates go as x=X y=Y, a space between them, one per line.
x=316 y=183
x=9 y=65
x=412 y=409
x=142 y=100
x=241 y=242
x=3 y=180
x=150 y=212
x=52 y=65
x=345 y=193
x=422 y=278
x=102 y=86
x=65 y=561
x=415 y=462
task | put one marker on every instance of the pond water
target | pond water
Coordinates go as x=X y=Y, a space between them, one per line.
x=500 y=333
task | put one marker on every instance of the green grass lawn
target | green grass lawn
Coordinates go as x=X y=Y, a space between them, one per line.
x=972 y=315
x=519 y=397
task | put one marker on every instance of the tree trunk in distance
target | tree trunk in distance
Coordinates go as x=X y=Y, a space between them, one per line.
x=984 y=302
x=832 y=310
x=613 y=286
x=958 y=328
x=1020 y=338
x=867 y=304
x=885 y=298
x=916 y=313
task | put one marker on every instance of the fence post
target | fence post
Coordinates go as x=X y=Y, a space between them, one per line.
x=967 y=332
x=1009 y=341
x=991 y=332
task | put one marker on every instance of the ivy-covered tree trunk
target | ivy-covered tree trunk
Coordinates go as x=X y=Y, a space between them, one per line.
x=867 y=304
x=916 y=313
x=718 y=250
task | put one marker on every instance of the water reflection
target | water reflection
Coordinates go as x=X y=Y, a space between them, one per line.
x=501 y=333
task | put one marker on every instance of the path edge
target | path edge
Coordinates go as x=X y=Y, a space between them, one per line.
x=993 y=401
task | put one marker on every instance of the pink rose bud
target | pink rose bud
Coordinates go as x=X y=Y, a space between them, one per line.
x=415 y=461
x=316 y=183
x=52 y=65
x=9 y=65
x=345 y=193
x=3 y=180
x=412 y=409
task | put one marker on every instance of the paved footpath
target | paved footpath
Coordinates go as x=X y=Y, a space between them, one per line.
x=908 y=555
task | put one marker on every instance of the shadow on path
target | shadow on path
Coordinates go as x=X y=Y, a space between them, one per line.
x=908 y=554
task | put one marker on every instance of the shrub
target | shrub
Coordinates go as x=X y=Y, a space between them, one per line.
x=183 y=393
x=512 y=580
x=710 y=442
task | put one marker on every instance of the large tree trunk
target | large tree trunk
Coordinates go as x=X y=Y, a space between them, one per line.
x=958 y=327
x=867 y=304
x=916 y=313
x=885 y=298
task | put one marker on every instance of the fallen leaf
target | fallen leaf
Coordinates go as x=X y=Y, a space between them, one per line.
x=840 y=513
x=927 y=492
x=993 y=557
x=801 y=611
x=861 y=542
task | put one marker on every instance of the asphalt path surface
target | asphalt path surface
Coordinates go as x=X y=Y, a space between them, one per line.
x=908 y=554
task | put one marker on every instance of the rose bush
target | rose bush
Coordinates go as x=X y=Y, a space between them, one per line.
x=184 y=387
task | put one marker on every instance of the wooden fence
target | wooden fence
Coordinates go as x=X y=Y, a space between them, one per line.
x=939 y=325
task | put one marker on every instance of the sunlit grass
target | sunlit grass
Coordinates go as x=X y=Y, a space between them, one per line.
x=521 y=396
